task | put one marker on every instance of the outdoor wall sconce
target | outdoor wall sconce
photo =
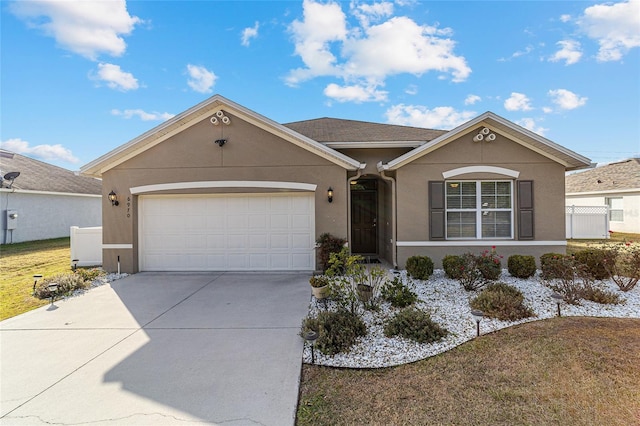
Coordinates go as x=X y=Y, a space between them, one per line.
x=477 y=316
x=558 y=299
x=35 y=281
x=310 y=337
x=330 y=194
x=114 y=199
x=220 y=142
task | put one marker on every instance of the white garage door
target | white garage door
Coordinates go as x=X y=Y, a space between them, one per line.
x=227 y=232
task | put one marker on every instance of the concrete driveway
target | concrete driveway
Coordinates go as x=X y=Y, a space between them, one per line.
x=214 y=348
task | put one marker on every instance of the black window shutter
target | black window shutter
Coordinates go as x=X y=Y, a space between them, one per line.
x=525 y=210
x=436 y=210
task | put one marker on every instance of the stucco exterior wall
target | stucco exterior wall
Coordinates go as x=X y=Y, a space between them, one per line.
x=45 y=216
x=250 y=154
x=413 y=207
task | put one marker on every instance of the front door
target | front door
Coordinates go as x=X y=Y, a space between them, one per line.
x=364 y=217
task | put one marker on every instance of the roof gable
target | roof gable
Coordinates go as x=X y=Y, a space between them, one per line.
x=619 y=176
x=204 y=111
x=39 y=176
x=569 y=159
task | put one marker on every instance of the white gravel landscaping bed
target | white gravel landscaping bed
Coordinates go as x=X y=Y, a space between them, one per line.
x=448 y=304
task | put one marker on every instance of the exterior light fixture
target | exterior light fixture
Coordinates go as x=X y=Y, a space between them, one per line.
x=558 y=299
x=75 y=264
x=310 y=337
x=220 y=142
x=330 y=194
x=35 y=281
x=477 y=316
x=53 y=289
x=113 y=198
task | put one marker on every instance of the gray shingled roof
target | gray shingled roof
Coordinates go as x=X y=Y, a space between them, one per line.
x=610 y=177
x=38 y=176
x=336 y=130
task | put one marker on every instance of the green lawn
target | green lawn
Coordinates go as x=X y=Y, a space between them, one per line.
x=19 y=262
x=615 y=237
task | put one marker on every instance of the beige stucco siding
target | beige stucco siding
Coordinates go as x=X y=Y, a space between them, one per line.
x=250 y=154
x=413 y=178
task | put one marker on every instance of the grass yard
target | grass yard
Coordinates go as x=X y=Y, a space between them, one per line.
x=615 y=237
x=19 y=262
x=568 y=371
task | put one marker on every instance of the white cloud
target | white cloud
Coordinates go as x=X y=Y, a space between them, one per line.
x=518 y=53
x=616 y=28
x=87 y=28
x=200 y=79
x=472 y=99
x=565 y=18
x=547 y=110
x=368 y=54
x=44 y=152
x=412 y=89
x=354 y=93
x=566 y=99
x=142 y=115
x=569 y=52
x=530 y=124
x=115 y=77
x=517 y=102
x=420 y=116
x=249 y=33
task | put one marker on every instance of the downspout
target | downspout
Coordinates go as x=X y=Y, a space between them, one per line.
x=351 y=179
x=382 y=168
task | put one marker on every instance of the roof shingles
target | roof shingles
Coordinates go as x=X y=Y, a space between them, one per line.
x=622 y=175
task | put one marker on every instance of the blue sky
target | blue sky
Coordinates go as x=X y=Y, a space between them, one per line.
x=80 y=78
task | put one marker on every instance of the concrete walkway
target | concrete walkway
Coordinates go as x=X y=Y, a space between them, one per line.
x=154 y=349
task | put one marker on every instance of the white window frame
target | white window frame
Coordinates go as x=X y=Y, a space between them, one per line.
x=611 y=209
x=479 y=210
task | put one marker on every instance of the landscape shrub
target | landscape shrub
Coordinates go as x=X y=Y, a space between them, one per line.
x=419 y=267
x=549 y=263
x=343 y=263
x=337 y=331
x=600 y=295
x=398 y=294
x=90 y=274
x=502 y=301
x=416 y=325
x=452 y=266
x=369 y=283
x=521 y=266
x=328 y=244
x=594 y=260
x=470 y=276
x=623 y=264
x=67 y=283
x=489 y=264
x=569 y=278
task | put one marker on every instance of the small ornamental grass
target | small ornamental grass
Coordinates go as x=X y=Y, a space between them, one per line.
x=67 y=283
x=414 y=324
x=503 y=302
x=337 y=331
x=419 y=267
x=398 y=294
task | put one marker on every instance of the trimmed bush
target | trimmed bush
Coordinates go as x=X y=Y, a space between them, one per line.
x=489 y=264
x=549 y=265
x=398 y=294
x=502 y=301
x=338 y=331
x=521 y=266
x=67 y=283
x=419 y=267
x=594 y=260
x=452 y=266
x=414 y=324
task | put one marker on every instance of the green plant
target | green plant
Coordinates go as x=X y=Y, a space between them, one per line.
x=549 y=265
x=452 y=266
x=489 y=264
x=328 y=244
x=521 y=266
x=569 y=278
x=470 y=276
x=319 y=281
x=419 y=267
x=90 y=274
x=416 y=325
x=622 y=262
x=502 y=301
x=593 y=259
x=368 y=283
x=67 y=283
x=398 y=294
x=599 y=295
x=343 y=263
x=337 y=331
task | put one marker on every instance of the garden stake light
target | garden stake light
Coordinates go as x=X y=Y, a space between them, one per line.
x=75 y=264
x=311 y=337
x=53 y=288
x=35 y=281
x=558 y=299
x=477 y=316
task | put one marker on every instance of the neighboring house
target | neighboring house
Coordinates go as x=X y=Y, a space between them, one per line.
x=220 y=187
x=44 y=201
x=616 y=185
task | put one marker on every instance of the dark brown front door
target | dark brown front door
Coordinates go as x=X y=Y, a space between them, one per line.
x=364 y=218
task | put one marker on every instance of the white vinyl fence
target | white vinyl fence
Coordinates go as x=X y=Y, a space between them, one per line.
x=587 y=222
x=86 y=246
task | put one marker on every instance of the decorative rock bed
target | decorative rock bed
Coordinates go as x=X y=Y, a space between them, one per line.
x=448 y=304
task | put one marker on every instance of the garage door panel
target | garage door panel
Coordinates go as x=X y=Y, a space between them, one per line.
x=227 y=232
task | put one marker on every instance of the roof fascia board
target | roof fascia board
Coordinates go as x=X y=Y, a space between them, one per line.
x=603 y=192
x=35 y=192
x=469 y=125
x=193 y=116
x=374 y=144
